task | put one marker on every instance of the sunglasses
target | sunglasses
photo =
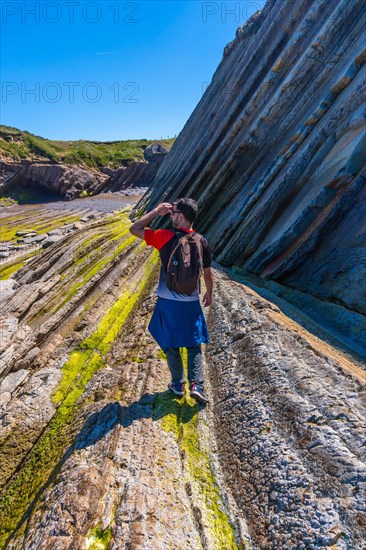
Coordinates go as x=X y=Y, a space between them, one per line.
x=175 y=212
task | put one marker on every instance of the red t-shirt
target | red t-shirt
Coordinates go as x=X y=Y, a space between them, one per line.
x=159 y=237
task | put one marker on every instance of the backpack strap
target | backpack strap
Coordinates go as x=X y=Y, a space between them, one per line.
x=177 y=233
x=196 y=238
x=172 y=254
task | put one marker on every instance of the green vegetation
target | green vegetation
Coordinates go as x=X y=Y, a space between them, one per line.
x=44 y=455
x=93 y=270
x=98 y=539
x=85 y=193
x=88 y=258
x=161 y=355
x=8 y=228
x=6 y=201
x=7 y=270
x=102 y=338
x=18 y=144
x=88 y=271
x=179 y=416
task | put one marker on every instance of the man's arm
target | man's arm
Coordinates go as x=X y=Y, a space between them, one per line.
x=208 y=278
x=138 y=228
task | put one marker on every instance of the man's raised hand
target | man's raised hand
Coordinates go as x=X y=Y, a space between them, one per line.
x=163 y=208
x=138 y=228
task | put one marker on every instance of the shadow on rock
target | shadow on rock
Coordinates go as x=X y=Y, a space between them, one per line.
x=155 y=406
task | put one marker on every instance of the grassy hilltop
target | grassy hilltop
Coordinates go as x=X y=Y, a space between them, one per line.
x=17 y=145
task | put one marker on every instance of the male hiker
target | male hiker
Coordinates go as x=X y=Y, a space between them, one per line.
x=178 y=320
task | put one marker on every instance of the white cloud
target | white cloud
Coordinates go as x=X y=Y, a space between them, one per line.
x=104 y=53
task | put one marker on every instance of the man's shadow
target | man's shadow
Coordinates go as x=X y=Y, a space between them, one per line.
x=151 y=405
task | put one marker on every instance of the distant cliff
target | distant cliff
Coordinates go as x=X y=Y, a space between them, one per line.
x=274 y=152
x=76 y=168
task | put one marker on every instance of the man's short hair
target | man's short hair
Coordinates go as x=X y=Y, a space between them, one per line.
x=188 y=207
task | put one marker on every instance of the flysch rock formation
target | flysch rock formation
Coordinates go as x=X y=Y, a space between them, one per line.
x=99 y=460
x=69 y=181
x=95 y=453
x=275 y=151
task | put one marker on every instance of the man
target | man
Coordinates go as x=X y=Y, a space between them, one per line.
x=178 y=320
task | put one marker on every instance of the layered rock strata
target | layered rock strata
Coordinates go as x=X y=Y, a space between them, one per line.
x=94 y=450
x=63 y=180
x=8 y=172
x=25 y=231
x=96 y=453
x=275 y=150
x=290 y=422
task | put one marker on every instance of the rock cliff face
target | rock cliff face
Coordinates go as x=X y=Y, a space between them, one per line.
x=139 y=173
x=66 y=181
x=69 y=181
x=274 y=153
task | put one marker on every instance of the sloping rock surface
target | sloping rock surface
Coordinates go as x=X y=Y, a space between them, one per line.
x=94 y=450
x=290 y=421
x=95 y=453
x=275 y=150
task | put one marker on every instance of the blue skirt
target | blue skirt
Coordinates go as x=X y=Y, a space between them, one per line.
x=176 y=324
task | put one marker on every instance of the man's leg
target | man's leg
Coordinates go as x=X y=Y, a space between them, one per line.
x=195 y=374
x=175 y=365
x=195 y=365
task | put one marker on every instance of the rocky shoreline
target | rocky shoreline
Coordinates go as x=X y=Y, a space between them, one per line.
x=275 y=461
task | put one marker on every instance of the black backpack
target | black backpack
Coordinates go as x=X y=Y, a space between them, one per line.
x=185 y=263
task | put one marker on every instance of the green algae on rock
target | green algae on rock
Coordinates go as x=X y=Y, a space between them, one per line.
x=44 y=456
x=98 y=539
x=88 y=272
x=9 y=268
x=77 y=372
x=103 y=336
x=180 y=417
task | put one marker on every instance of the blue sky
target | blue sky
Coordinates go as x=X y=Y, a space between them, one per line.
x=110 y=70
